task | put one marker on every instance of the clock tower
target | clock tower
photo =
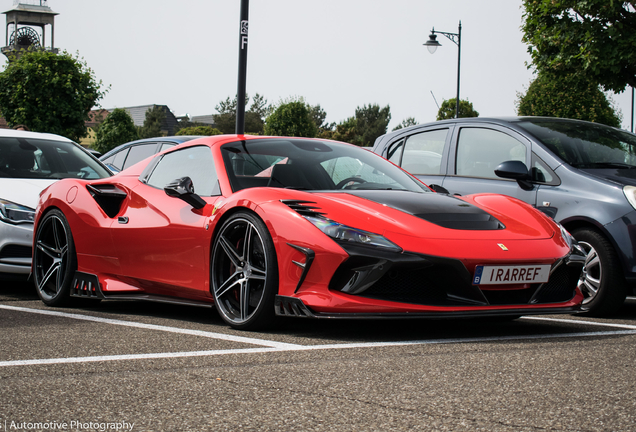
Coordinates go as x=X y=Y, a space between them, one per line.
x=26 y=27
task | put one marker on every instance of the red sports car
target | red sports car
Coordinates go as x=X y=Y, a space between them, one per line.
x=266 y=226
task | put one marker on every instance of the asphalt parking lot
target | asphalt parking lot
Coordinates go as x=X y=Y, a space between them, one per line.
x=153 y=367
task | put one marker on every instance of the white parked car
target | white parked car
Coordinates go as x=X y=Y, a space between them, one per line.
x=29 y=162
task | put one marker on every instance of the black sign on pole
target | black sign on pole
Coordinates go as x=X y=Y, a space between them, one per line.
x=242 y=72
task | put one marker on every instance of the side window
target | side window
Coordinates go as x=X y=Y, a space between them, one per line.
x=194 y=162
x=118 y=159
x=479 y=151
x=423 y=152
x=541 y=173
x=166 y=146
x=139 y=153
x=395 y=152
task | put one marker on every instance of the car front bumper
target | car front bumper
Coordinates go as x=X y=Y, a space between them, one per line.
x=16 y=243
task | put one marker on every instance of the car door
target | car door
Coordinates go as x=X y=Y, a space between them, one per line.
x=423 y=153
x=163 y=241
x=475 y=152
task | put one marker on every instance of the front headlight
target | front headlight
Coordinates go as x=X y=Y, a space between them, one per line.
x=630 y=194
x=343 y=233
x=15 y=213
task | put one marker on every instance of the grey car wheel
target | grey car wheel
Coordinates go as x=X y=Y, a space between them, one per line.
x=54 y=259
x=244 y=272
x=601 y=280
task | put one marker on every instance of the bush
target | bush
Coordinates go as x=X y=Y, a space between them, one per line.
x=199 y=130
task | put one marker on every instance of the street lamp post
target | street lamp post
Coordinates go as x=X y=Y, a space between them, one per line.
x=432 y=44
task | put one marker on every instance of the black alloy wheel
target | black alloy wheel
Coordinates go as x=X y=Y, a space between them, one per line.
x=54 y=259
x=244 y=272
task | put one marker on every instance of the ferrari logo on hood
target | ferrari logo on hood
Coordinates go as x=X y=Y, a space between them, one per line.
x=502 y=246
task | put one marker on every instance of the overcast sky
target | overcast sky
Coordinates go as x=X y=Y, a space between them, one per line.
x=340 y=54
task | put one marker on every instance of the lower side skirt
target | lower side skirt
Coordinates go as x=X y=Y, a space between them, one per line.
x=86 y=285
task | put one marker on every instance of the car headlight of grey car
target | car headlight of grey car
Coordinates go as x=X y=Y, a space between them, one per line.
x=630 y=194
x=13 y=213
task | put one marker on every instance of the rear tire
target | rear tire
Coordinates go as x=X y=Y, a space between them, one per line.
x=601 y=280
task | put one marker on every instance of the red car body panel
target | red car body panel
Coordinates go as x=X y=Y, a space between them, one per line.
x=165 y=246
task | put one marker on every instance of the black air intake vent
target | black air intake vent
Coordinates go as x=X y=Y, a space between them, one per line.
x=302 y=208
x=16 y=251
x=108 y=196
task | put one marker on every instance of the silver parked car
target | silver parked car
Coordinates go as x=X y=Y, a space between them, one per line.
x=29 y=162
x=582 y=174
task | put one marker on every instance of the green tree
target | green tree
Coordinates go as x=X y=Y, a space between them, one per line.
x=409 y=121
x=152 y=124
x=592 y=37
x=571 y=96
x=318 y=115
x=118 y=128
x=291 y=119
x=254 y=117
x=49 y=93
x=346 y=131
x=199 y=130
x=371 y=122
x=447 y=110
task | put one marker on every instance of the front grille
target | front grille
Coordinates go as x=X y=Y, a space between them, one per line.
x=560 y=287
x=444 y=283
x=16 y=251
x=441 y=284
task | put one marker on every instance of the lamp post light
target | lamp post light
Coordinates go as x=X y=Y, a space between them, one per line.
x=432 y=44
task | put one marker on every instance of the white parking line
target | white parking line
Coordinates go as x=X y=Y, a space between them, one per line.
x=592 y=323
x=220 y=336
x=271 y=346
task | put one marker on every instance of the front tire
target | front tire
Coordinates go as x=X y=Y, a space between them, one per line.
x=244 y=272
x=54 y=259
x=601 y=280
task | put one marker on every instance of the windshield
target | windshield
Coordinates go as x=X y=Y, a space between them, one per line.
x=30 y=158
x=311 y=165
x=585 y=145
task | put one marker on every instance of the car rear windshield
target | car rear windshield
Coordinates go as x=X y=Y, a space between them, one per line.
x=585 y=145
x=45 y=159
x=311 y=165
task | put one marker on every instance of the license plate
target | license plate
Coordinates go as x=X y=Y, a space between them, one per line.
x=500 y=275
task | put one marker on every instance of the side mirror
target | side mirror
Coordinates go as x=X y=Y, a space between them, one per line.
x=439 y=189
x=183 y=188
x=515 y=170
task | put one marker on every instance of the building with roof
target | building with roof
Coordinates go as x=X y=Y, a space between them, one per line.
x=138 y=114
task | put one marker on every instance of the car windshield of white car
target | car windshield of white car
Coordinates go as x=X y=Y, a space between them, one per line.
x=311 y=165
x=585 y=145
x=46 y=159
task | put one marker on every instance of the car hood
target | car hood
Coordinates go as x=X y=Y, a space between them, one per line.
x=434 y=215
x=23 y=191
x=620 y=176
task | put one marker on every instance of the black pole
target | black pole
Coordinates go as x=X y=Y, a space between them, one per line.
x=459 y=57
x=632 y=110
x=242 y=73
